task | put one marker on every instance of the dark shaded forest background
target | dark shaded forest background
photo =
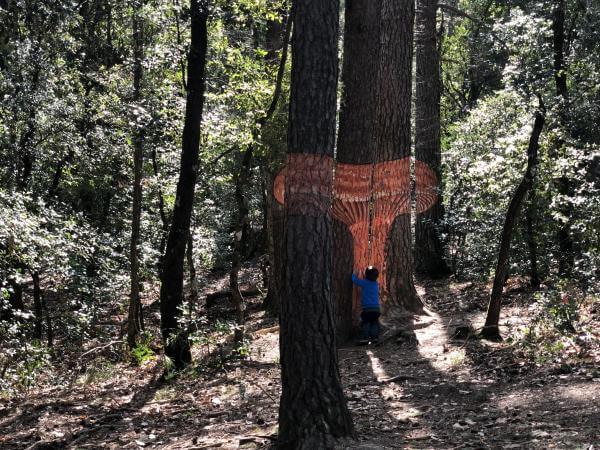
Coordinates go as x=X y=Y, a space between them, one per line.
x=93 y=92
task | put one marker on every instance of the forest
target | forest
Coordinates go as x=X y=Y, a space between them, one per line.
x=299 y=224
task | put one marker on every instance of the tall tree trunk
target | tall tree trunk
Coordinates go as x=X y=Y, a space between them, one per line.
x=135 y=322
x=161 y=210
x=491 y=329
x=374 y=128
x=176 y=343
x=429 y=250
x=393 y=140
x=60 y=166
x=564 y=185
x=278 y=36
x=241 y=183
x=274 y=236
x=356 y=145
x=312 y=411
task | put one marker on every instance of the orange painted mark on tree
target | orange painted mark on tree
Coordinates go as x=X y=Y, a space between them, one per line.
x=366 y=197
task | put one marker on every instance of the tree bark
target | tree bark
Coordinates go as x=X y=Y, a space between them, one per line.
x=241 y=182
x=238 y=242
x=564 y=185
x=491 y=329
x=393 y=133
x=135 y=321
x=189 y=254
x=313 y=411
x=429 y=250
x=374 y=127
x=177 y=346
x=278 y=37
x=356 y=145
x=274 y=236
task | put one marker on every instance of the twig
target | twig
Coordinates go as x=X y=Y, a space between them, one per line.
x=398 y=378
x=101 y=347
x=500 y=367
x=481 y=23
x=262 y=389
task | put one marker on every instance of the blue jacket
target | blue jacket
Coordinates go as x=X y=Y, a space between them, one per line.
x=369 y=293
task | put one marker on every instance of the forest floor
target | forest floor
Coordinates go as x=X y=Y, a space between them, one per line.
x=434 y=391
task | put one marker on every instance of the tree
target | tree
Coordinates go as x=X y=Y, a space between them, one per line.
x=135 y=321
x=171 y=291
x=374 y=128
x=242 y=179
x=393 y=139
x=357 y=146
x=490 y=329
x=429 y=251
x=313 y=410
x=564 y=185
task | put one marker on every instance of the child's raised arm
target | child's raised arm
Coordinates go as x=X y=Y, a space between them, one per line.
x=358 y=281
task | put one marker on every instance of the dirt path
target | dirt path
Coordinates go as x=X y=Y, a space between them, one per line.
x=442 y=396
x=441 y=393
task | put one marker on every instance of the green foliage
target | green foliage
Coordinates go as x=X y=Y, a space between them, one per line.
x=561 y=305
x=484 y=158
x=484 y=142
x=143 y=352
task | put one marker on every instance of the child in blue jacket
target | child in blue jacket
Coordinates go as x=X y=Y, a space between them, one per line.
x=369 y=298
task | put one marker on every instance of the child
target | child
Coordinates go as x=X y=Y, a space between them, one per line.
x=369 y=299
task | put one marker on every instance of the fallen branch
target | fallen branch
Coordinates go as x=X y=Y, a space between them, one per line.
x=267 y=330
x=101 y=347
x=213 y=297
x=398 y=378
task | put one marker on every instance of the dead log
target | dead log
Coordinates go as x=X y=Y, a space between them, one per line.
x=212 y=298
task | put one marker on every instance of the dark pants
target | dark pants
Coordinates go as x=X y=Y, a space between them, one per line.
x=370 y=324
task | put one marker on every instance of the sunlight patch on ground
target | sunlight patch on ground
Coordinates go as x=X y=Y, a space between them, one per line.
x=376 y=366
x=265 y=346
x=432 y=336
x=399 y=413
x=579 y=393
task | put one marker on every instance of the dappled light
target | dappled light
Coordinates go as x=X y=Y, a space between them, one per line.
x=299 y=225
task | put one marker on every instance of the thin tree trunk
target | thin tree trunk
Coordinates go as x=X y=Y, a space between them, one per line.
x=192 y=272
x=135 y=323
x=274 y=235
x=564 y=185
x=534 y=276
x=161 y=209
x=37 y=306
x=241 y=182
x=278 y=35
x=49 y=329
x=312 y=411
x=429 y=250
x=68 y=158
x=491 y=329
x=238 y=242
x=176 y=343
